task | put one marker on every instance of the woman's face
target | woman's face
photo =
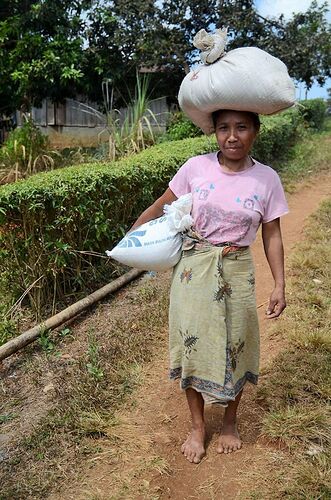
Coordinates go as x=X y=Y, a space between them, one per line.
x=235 y=134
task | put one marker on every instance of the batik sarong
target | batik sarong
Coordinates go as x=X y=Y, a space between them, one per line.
x=213 y=325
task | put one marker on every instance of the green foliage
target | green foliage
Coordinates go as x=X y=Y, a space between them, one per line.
x=7 y=417
x=54 y=224
x=8 y=329
x=329 y=97
x=94 y=364
x=277 y=134
x=311 y=155
x=180 y=127
x=25 y=152
x=46 y=342
x=314 y=112
x=48 y=219
x=41 y=51
x=135 y=133
x=92 y=40
x=304 y=44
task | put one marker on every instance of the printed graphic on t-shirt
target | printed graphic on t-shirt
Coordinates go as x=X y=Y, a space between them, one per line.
x=203 y=194
x=249 y=204
x=222 y=222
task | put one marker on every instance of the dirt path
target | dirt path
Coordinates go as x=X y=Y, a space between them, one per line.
x=143 y=458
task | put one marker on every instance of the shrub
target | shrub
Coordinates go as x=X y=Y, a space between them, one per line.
x=313 y=112
x=180 y=127
x=25 y=152
x=277 y=134
x=48 y=219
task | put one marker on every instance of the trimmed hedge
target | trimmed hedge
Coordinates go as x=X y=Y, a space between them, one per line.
x=47 y=218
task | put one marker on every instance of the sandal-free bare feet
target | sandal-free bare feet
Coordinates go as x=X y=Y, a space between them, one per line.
x=229 y=439
x=194 y=446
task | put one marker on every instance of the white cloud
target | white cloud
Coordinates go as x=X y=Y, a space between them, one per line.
x=287 y=7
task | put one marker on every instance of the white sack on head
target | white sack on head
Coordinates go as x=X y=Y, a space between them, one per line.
x=156 y=245
x=245 y=79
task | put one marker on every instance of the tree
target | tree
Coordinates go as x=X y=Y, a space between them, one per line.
x=41 y=51
x=121 y=39
x=304 y=44
x=62 y=48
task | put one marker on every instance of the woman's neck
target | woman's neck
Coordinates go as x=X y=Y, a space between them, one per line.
x=235 y=165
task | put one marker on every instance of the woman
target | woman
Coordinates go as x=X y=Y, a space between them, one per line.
x=214 y=338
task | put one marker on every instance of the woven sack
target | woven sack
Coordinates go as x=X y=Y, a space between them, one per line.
x=244 y=79
x=157 y=244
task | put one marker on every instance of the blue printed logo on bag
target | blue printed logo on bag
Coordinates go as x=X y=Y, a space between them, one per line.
x=132 y=240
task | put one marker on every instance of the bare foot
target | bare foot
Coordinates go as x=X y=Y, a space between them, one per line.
x=194 y=446
x=229 y=439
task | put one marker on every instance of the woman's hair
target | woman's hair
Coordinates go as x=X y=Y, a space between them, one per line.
x=254 y=117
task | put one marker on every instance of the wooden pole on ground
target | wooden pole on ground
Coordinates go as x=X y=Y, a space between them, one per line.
x=58 y=319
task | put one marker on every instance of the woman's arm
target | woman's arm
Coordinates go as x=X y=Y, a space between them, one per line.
x=155 y=210
x=274 y=251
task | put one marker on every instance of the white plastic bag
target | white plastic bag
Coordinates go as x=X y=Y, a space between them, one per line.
x=156 y=245
x=245 y=79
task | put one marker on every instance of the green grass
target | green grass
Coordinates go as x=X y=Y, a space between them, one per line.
x=310 y=156
x=296 y=391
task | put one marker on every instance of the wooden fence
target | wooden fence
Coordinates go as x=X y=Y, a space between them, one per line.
x=73 y=113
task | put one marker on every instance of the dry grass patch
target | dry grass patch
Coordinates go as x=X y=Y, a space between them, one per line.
x=296 y=391
x=79 y=379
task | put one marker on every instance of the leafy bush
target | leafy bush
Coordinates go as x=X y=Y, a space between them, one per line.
x=277 y=134
x=180 y=127
x=313 y=112
x=47 y=220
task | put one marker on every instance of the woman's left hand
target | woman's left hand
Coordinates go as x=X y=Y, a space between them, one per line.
x=277 y=303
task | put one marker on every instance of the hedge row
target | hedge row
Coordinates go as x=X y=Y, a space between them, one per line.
x=50 y=217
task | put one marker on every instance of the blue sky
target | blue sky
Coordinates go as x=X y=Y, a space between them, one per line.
x=287 y=7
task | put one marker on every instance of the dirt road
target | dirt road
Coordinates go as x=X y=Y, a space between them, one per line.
x=143 y=460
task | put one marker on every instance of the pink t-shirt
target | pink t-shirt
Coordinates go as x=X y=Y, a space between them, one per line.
x=229 y=206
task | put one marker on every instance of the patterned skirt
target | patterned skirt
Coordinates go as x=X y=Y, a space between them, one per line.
x=213 y=324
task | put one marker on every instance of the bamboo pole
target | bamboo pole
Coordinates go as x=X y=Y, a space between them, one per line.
x=58 y=319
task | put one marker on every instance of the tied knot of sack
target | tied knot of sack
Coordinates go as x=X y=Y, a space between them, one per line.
x=212 y=45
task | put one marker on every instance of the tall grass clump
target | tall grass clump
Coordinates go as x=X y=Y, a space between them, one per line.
x=133 y=132
x=297 y=389
x=25 y=152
